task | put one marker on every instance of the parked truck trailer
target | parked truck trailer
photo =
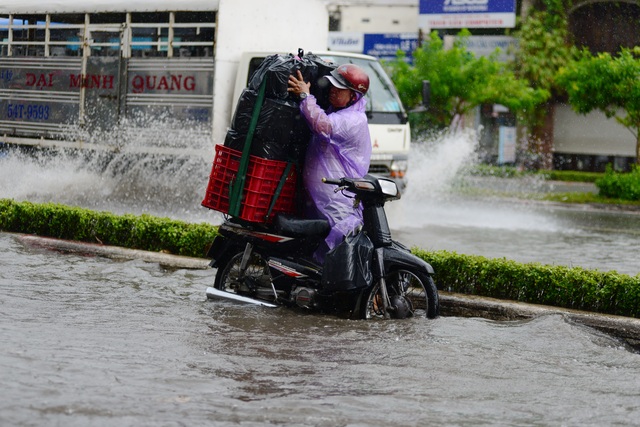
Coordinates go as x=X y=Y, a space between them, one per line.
x=85 y=75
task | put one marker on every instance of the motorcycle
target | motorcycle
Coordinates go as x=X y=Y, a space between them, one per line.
x=273 y=264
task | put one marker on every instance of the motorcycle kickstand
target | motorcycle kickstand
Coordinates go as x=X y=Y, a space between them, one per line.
x=276 y=298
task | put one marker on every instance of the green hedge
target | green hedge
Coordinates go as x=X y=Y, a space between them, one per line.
x=137 y=232
x=619 y=185
x=553 y=175
x=482 y=169
x=571 y=176
x=569 y=287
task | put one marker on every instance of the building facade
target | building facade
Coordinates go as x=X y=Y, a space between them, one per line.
x=577 y=142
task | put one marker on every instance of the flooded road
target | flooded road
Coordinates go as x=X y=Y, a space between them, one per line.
x=430 y=215
x=523 y=231
x=92 y=341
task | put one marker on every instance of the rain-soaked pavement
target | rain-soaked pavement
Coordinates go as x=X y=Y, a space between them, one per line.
x=93 y=341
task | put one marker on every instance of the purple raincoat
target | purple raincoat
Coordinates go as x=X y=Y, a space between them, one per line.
x=340 y=147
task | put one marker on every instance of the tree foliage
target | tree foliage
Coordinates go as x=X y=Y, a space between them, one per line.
x=606 y=83
x=459 y=82
x=544 y=48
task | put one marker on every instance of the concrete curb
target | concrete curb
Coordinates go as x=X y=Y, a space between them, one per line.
x=626 y=329
x=113 y=252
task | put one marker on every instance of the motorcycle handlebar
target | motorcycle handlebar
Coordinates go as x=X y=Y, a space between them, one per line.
x=332 y=181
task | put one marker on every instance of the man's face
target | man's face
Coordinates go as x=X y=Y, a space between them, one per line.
x=339 y=98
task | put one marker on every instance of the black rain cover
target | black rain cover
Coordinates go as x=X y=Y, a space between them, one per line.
x=348 y=266
x=281 y=132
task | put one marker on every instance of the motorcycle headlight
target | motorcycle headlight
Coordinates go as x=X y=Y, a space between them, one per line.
x=389 y=188
x=364 y=185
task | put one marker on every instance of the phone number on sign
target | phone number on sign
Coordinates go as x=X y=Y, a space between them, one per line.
x=29 y=112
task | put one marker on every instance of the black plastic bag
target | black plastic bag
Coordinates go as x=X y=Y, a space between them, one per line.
x=319 y=85
x=244 y=109
x=347 y=267
x=272 y=139
x=280 y=134
x=276 y=69
x=235 y=140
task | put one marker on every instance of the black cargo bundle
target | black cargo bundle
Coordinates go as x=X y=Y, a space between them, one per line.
x=280 y=132
x=269 y=136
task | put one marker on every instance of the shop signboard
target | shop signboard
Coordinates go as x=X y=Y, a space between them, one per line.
x=445 y=14
x=382 y=46
x=386 y=46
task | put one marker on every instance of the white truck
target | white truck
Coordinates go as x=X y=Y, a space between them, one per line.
x=160 y=76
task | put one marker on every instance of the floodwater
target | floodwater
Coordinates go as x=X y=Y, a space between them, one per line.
x=523 y=231
x=93 y=341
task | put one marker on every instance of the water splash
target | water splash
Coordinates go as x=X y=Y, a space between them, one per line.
x=435 y=164
x=166 y=182
x=436 y=167
x=128 y=181
x=146 y=132
x=430 y=214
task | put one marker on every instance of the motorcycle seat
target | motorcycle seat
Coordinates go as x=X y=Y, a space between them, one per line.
x=293 y=226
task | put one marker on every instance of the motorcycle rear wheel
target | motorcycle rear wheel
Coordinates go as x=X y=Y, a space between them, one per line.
x=229 y=277
x=417 y=288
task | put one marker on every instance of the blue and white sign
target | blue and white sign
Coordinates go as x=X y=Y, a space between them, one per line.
x=346 y=42
x=385 y=46
x=467 y=14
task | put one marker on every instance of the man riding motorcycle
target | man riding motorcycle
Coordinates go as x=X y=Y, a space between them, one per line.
x=340 y=146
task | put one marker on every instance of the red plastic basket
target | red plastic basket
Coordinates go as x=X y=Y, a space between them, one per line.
x=262 y=179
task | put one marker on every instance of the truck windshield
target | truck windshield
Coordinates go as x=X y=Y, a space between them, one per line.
x=382 y=96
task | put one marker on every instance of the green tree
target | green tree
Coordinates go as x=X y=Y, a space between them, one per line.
x=610 y=84
x=544 y=47
x=459 y=83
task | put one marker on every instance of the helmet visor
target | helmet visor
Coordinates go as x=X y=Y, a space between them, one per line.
x=336 y=83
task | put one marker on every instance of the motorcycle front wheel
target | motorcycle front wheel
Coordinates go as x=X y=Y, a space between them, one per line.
x=411 y=293
x=231 y=278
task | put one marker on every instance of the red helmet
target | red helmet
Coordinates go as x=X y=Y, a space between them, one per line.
x=350 y=76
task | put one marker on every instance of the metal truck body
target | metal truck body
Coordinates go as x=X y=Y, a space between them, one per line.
x=92 y=75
